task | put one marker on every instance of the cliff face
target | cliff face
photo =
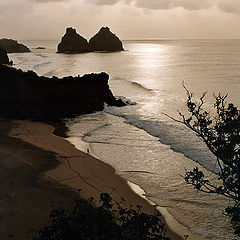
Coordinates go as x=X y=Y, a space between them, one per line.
x=105 y=40
x=4 y=57
x=73 y=43
x=12 y=46
x=26 y=95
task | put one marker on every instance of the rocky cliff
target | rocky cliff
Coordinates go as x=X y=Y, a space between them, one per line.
x=4 y=57
x=72 y=42
x=105 y=40
x=12 y=46
x=26 y=95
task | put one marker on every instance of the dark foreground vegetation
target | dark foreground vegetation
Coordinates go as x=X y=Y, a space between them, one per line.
x=221 y=134
x=109 y=221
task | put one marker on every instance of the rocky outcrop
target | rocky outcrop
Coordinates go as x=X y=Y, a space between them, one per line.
x=72 y=42
x=40 y=48
x=26 y=95
x=105 y=40
x=4 y=57
x=12 y=46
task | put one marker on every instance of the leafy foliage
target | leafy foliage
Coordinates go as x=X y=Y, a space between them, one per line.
x=221 y=134
x=107 y=221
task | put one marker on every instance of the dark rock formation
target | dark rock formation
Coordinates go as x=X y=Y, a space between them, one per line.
x=40 y=48
x=105 y=40
x=73 y=43
x=12 y=46
x=4 y=57
x=26 y=95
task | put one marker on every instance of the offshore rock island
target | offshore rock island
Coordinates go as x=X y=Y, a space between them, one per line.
x=25 y=95
x=12 y=46
x=72 y=42
x=104 y=41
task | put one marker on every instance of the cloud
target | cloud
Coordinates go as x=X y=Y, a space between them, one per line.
x=102 y=2
x=193 y=5
x=129 y=19
x=159 y=4
x=47 y=1
x=153 y=4
x=232 y=6
x=169 y=4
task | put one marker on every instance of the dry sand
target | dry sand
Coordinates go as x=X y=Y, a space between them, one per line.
x=43 y=169
x=26 y=200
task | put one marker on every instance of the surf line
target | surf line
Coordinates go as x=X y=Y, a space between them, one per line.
x=171 y=222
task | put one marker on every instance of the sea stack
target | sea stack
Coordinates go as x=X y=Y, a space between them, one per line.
x=105 y=40
x=4 y=57
x=72 y=42
x=12 y=46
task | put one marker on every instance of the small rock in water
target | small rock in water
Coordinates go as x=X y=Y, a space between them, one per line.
x=40 y=48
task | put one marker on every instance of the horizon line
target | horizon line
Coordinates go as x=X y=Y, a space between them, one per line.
x=139 y=39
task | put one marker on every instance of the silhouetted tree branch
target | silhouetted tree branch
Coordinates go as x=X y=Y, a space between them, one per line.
x=221 y=133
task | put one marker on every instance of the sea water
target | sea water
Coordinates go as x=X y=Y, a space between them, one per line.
x=139 y=141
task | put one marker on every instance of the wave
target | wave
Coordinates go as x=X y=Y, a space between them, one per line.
x=95 y=129
x=178 y=137
x=112 y=143
x=138 y=85
x=37 y=66
x=41 y=55
x=50 y=73
x=127 y=101
x=139 y=171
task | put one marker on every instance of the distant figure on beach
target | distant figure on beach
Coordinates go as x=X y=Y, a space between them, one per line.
x=88 y=150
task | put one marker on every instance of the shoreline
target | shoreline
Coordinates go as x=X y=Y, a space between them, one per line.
x=172 y=224
x=79 y=170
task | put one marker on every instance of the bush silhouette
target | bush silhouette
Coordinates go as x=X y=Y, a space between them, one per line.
x=108 y=221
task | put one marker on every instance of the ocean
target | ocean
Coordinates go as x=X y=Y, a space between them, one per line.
x=139 y=141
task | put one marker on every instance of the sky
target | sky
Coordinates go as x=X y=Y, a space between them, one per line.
x=129 y=19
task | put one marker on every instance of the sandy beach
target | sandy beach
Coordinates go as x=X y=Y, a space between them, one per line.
x=44 y=170
x=26 y=196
